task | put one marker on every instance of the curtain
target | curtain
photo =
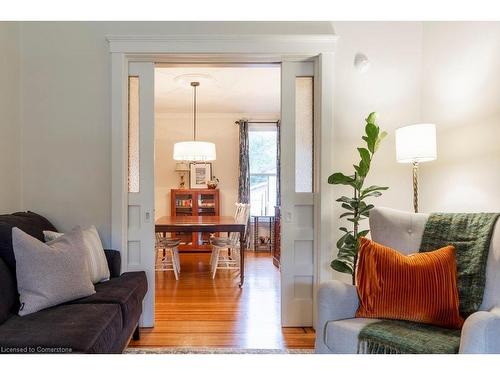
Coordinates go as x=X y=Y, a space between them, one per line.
x=244 y=180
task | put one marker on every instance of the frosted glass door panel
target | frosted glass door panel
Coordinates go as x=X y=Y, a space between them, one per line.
x=304 y=134
x=133 y=135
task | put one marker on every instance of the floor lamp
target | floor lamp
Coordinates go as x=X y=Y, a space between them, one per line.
x=416 y=144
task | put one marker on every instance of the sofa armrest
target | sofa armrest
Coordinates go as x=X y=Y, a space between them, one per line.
x=481 y=333
x=336 y=300
x=114 y=262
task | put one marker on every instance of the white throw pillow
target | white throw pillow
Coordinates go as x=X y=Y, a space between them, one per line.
x=96 y=259
x=49 y=274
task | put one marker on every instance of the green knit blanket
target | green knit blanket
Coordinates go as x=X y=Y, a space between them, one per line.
x=471 y=236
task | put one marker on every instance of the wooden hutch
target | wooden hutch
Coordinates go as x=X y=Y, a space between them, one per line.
x=194 y=202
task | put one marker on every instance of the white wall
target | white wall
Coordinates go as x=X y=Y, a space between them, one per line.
x=390 y=87
x=461 y=94
x=442 y=72
x=66 y=138
x=66 y=158
x=218 y=128
x=10 y=129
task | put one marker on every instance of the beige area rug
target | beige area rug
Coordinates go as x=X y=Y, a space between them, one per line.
x=207 y=350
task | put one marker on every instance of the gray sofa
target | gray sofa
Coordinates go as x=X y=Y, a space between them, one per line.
x=337 y=328
x=101 y=323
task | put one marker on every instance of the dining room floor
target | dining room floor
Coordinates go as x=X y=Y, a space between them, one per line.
x=198 y=311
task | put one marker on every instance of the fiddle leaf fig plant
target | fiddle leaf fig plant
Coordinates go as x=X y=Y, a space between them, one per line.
x=356 y=208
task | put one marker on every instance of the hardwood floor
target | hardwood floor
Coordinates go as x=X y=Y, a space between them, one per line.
x=199 y=311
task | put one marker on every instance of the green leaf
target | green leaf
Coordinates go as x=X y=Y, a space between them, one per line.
x=357 y=169
x=372 y=131
x=347 y=207
x=371 y=136
x=372 y=194
x=373 y=188
x=342 y=240
x=372 y=118
x=363 y=168
x=344 y=229
x=358 y=182
x=379 y=139
x=363 y=233
x=366 y=208
x=346 y=214
x=365 y=155
x=350 y=242
x=348 y=200
x=340 y=179
x=343 y=266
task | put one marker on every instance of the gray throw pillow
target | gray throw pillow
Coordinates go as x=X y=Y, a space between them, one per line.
x=52 y=273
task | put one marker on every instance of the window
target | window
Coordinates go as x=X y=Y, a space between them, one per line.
x=263 y=172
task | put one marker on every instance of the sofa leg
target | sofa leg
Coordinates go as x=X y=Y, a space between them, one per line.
x=137 y=335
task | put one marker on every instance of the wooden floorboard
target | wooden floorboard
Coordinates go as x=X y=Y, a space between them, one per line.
x=198 y=311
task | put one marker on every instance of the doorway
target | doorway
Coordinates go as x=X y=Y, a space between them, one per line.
x=235 y=107
x=297 y=215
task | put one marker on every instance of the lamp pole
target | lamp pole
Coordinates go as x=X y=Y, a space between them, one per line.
x=194 y=85
x=415 y=186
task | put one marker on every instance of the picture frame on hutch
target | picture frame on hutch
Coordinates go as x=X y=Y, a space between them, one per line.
x=199 y=174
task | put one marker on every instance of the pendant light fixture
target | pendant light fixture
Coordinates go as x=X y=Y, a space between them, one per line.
x=194 y=150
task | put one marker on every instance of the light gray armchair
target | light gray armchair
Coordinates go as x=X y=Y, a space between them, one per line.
x=337 y=328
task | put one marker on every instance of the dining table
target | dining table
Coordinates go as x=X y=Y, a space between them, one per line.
x=205 y=224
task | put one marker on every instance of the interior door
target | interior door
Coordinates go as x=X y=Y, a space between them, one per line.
x=140 y=240
x=297 y=193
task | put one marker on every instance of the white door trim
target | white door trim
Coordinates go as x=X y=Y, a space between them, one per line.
x=228 y=49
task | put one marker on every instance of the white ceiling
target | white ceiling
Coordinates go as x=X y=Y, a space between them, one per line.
x=253 y=89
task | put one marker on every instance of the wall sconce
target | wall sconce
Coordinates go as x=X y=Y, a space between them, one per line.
x=361 y=62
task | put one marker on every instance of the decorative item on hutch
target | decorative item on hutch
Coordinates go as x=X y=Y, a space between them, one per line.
x=182 y=168
x=212 y=184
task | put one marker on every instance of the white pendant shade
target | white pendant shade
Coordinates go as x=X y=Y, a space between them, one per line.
x=416 y=143
x=194 y=151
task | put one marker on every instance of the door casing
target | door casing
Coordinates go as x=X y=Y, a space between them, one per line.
x=230 y=49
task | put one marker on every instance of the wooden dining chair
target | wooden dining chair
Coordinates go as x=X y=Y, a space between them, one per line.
x=226 y=250
x=167 y=254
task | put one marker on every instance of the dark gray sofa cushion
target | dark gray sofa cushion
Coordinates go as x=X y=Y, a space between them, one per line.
x=82 y=328
x=28 y=222
x=114 y=260
x=127 y=291
x=8 y=292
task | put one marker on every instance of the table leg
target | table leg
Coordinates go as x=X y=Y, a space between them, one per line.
x=242 y=257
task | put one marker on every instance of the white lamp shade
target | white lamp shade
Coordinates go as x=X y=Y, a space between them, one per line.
x=194 y=151
x=416 y=143
x=182 y=167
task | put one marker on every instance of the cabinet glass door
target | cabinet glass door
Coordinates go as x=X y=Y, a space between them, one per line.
x=184 y=205
x=206 y=204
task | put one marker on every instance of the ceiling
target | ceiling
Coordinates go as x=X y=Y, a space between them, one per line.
x=254 y=89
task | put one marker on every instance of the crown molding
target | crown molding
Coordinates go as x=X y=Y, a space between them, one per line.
x=299 y=44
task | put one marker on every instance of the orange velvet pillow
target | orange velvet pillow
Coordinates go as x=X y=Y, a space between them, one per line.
x=420 y=287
